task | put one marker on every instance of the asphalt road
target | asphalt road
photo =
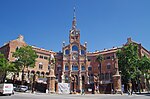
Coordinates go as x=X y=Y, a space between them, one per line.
x=87 y=96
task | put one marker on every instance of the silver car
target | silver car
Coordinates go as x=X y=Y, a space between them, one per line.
x=21 y=88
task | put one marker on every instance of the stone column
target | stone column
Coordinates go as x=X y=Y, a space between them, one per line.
x=117 y=82
x=80 y=81
x=116 y=77
x=51 y=81
x=87 y=77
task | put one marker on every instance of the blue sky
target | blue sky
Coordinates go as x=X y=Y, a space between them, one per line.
x=102 y=23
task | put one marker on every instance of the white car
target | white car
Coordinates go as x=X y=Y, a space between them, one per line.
x=21 y=88
x=6 y=89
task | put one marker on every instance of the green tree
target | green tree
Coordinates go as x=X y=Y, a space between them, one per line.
x=144 y=67
x=25 y=57
x=128 y=59
x=6 y=67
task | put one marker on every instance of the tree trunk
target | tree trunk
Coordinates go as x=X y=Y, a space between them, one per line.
x=4 y=77
x=22 y=82
x=148 y=85
x=33 y=83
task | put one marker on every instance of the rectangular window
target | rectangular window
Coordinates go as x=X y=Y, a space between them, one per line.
x=49 y=67
x=40 y=66
x=83 y=67
x=45 y=57
x=41 y=56
x=58 y=68
x=66 y=67
x=74 y=68
x=108 y=66
x=90 y=68
x=108 y=57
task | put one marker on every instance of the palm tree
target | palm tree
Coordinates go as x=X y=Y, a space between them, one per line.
x=99 y=59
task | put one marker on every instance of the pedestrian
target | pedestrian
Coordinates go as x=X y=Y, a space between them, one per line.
x=83 y=92
x=129 y=88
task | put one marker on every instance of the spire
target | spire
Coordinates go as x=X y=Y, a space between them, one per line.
x=74 y=13
x=74 y=19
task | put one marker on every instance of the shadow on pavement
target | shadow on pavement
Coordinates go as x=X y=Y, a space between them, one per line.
x=145 y=94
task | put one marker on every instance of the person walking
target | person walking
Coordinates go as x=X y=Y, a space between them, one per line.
x=83 y=92
x=129 y=87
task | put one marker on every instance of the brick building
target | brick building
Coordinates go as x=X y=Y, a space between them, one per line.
x=42 y=62
x=74 y=65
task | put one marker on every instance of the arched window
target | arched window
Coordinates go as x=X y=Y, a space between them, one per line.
x=67 y=52
x=38 y=73
x=42 y=73
x=74 y=48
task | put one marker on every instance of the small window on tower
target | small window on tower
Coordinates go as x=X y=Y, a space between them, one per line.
x=74 y=48
x=67 y=52
x=82 y=52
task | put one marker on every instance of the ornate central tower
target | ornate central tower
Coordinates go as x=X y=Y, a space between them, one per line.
x=74 y=69
x=74 y=33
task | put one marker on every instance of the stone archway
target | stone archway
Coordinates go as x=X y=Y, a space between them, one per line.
x=43 y=74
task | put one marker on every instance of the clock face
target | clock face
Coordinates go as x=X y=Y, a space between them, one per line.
x=77 y=33
x=74 y=33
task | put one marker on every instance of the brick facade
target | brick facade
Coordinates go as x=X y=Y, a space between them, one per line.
x=74 y=65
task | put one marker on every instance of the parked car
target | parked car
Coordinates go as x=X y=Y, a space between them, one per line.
x=21 y=88
x=6 y=89
x=14 y=87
